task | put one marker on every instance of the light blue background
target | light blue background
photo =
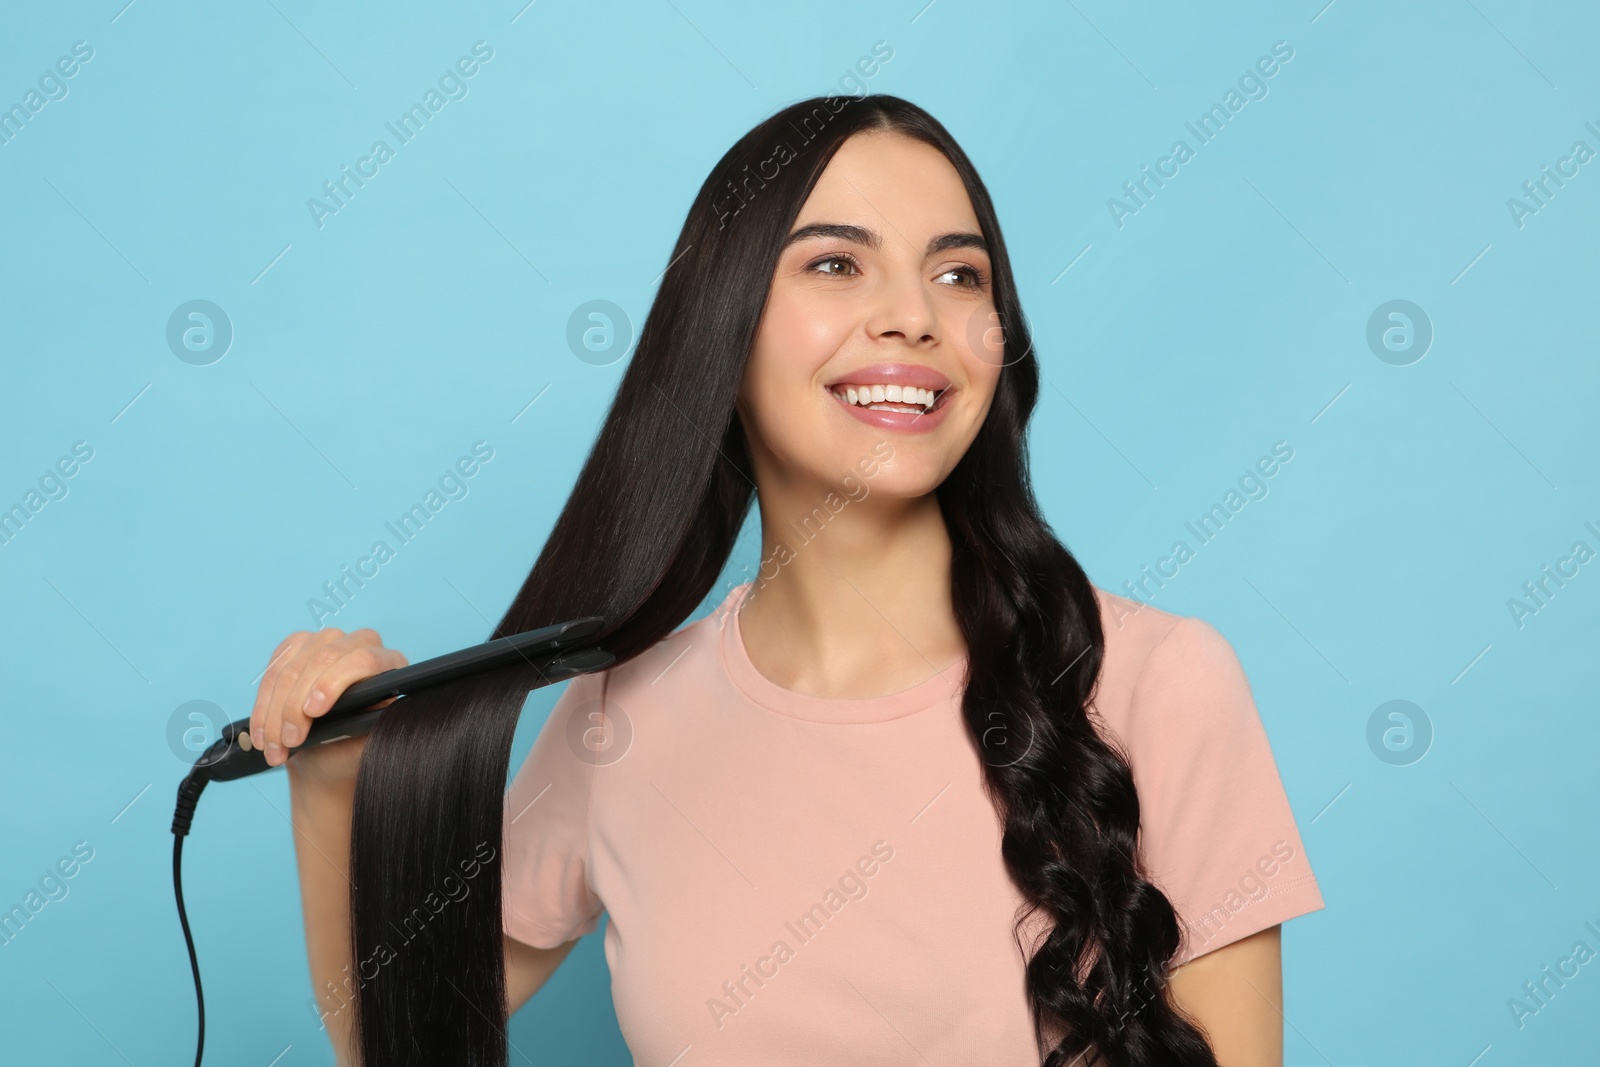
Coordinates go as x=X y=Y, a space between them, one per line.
x=1228 y=314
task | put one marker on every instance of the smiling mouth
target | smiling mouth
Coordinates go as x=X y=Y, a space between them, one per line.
x=907 y=399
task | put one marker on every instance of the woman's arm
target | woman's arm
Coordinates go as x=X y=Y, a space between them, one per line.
x=320 y=815
x=1235 y=994
x=321 y=818
x=528 y=968
x=307 y=674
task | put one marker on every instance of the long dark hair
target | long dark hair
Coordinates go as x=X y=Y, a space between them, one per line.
x=642 y=539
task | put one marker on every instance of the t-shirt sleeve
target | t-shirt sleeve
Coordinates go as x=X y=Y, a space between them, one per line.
x=1216 y=831
x=546 y=895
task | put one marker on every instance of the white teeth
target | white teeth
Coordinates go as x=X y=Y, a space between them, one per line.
x=904 y=396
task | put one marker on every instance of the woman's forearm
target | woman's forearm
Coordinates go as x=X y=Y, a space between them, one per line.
x=321 y=818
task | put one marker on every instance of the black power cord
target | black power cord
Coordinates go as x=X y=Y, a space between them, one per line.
x=188 y=794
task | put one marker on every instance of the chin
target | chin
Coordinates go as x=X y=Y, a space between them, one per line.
x=905 y=484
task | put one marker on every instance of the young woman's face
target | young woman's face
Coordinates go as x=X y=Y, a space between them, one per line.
x=884 y=289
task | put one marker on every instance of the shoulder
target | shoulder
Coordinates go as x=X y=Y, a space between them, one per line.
x=660 y=669
x=1144 y=644
x=1167 y=677
x=1217 y=834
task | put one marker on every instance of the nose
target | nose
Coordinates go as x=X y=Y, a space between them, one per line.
x=902 y=307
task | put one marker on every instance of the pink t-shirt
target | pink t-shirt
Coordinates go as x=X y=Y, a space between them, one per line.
x=797 y=879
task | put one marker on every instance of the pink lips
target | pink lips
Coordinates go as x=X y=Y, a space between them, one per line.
x=896 y=374
x=893 y=374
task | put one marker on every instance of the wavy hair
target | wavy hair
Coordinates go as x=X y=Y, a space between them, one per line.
x=641 y=540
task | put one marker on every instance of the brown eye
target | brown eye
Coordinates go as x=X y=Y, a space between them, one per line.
x=974 y=277
x=846 y=260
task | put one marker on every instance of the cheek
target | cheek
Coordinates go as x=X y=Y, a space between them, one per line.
x=796 y=340
x=792 y=344
x=979 y=340
x=983 y=377
x=801 y=335
x=984 y=381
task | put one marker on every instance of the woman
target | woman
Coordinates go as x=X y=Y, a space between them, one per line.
x=918 y=791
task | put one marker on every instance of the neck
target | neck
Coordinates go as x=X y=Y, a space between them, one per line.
x=852 y=598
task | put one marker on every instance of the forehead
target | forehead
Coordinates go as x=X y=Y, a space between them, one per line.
x=883 y=178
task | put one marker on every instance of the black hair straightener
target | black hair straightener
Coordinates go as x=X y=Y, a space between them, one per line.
x=556 y=652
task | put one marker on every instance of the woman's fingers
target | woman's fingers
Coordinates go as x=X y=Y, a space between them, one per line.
x=307 y=674
x=323 y=674
x=292 y=721
x=282 y=658
x=318 y=649
x=358 y=662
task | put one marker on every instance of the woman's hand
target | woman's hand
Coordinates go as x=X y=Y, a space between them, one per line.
x=308 y=672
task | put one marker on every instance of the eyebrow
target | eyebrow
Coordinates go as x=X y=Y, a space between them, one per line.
x=862 y=236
